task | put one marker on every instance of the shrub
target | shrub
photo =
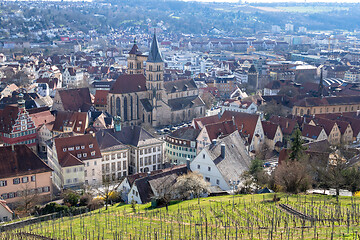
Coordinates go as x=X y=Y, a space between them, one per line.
x=71 y=198
x=53 y=207
x=95 y=203
x=85 y=199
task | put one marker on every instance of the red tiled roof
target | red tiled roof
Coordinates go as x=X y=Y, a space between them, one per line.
x=245 y=122
x=220 y=129
x=3 y=203
x=199 y=123
x=74 y=120
x=287 y=125
x=101 y=97
x=75 y=99
x=269 y=129
x=327 y=124
x=129 y=83
x=311 y=131
x=21 y=161
x=76 y=145
x=41 y=118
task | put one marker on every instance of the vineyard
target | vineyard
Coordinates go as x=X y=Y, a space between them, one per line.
x=225 y=217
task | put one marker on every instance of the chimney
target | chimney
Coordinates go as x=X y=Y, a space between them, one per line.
x=223 y=150
x=188 y=163
x=12 y=147
x=357 y=112
x=213 y=142
x=233 y=120
x=287 y=124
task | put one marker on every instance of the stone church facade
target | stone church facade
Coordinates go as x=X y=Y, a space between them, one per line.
x=142 y=96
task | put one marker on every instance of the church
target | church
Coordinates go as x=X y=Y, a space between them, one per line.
x=141 y=97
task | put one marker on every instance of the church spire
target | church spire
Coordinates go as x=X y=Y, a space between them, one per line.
x=154 y=54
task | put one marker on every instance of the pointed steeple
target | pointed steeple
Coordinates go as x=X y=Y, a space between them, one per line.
x=135 y=50
x=154 y=54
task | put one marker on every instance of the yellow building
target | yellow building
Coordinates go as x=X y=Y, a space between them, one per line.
x=318 y=105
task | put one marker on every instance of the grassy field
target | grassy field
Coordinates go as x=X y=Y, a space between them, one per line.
x=311 y=9
x=251 y=217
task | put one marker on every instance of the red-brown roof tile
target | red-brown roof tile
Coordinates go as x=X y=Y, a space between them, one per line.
x=129 y=83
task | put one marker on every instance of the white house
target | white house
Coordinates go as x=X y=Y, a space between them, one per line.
x=238 y=106
x=72 y=76
x=223 y=161
x=6 y=214
x=145 y=188
x=76 y=161
x=311 y=133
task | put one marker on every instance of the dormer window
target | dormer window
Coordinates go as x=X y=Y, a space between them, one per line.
x=64 y=149
x=71 y=149
x=93 y=153
x=79 y=155
x=82 y=147
x=80 y=122
x=84 y=154
x=91 y=145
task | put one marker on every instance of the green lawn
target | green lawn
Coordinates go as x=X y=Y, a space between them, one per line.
x=311 y=9
x=252 y=217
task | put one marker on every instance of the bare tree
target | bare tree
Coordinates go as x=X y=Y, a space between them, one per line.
x=29 y=198
x=108 y=190
x=292 y=176
x=191 y=185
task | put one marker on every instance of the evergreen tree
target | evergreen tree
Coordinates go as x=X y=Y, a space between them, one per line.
x=297 y=148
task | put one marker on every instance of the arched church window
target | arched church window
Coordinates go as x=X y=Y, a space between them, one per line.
x=131 y=108
x=118 y=106
x=125 y=109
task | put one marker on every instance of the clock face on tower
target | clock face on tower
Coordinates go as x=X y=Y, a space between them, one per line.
x=23 y=125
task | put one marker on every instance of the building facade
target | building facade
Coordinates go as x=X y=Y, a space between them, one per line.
x=140 y=99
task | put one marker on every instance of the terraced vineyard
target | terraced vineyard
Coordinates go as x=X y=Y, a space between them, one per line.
x=250 y=217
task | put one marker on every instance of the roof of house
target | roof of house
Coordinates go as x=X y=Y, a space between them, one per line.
x=75 y=99
x=5 y=206
x=74 y=120
x=327 y=124
x=199 y=123
x=157 y=181
x=220 y=129
x=287 y=125
x=101 y=97
x=127 y=83
x=41 y=118
x=133 y=135
x=311 y=131
x=269 y=129
x=108 y=142
x=245 y=122
x=186 y=133
x=75 y=149
x=236 y=159
x=20 y=161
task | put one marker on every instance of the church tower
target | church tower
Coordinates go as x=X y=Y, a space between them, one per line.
x=155 y=72
x=135 y=61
